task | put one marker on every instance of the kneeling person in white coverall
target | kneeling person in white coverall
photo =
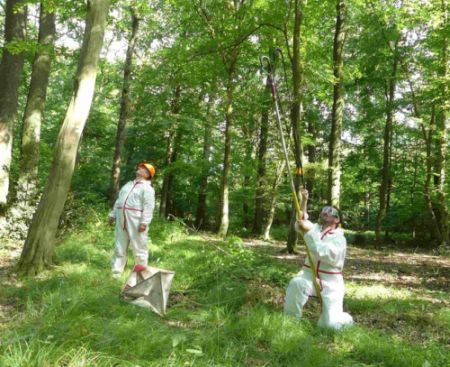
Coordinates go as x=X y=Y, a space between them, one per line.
x=328 y=246
x=132 y=214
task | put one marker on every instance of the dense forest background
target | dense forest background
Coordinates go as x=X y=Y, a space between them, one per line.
x=363 y=89
x=88 y=89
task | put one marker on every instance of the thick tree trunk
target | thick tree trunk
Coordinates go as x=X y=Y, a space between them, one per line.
x=335 y=144
x=173 y=141
x=200 y=217
x=261 y=184
x=386 y=170
x=296 y=114
x=39 y=245
x=10 y=73
x=124 y=107
x=32 y=119
x=224 y=214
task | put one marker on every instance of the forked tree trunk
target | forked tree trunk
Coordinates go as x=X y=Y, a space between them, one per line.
x=10 y=73
x=39 y=245
x=124 y=107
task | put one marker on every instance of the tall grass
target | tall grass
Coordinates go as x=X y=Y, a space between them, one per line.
x=224 y=310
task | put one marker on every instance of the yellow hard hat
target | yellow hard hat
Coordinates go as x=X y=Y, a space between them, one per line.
x=150 y=169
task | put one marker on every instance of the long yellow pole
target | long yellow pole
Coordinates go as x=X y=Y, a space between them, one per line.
x=265 y=59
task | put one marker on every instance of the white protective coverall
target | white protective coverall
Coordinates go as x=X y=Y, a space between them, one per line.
x=133 y=207
x=328 y=250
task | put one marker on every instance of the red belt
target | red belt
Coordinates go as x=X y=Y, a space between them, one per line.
x=125 y=208
x=324 y=271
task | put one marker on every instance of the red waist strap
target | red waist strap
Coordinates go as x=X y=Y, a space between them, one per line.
x=324 y=271
x=126 y=208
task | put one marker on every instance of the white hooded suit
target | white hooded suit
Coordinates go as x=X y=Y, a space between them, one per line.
x=133 y=207
x=328 y=249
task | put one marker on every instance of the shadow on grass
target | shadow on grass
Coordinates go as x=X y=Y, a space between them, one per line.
x=224 y=311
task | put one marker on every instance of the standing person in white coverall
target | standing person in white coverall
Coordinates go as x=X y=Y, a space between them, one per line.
x=328 y=246
x=132 y=214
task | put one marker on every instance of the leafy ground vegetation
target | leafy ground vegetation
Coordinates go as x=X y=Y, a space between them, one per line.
x=225 y=307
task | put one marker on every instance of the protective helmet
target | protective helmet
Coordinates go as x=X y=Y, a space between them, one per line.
x=150 y=169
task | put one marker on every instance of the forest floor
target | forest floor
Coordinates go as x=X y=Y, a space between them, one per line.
x=225 y=307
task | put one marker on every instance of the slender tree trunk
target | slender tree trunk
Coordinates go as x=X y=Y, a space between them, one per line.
x=335 y=147
x=273 y=198
x=124 y=107
x=34 y=110
x=261 y=163
x=39 y=245
x=26 y=189
x=386 y=170
x=248 y=171
x=200 y=217
x=173 y=141
x=442 y=137
x=296 y=114
x=429 y=176
x=224 y=214
x=312 y=153
x=10 y=74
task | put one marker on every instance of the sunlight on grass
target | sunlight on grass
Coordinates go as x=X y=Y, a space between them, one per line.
x=222 y=312
x=378 y=291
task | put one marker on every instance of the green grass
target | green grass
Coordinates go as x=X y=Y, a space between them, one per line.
x=225 y=310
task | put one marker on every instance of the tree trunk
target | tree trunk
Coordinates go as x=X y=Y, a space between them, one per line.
x=442 y=138
x=10 y=74
x=296 y=114
x=173 y=140
x=428 y=178
x=200 y=217
x=261 y=162
x=224 y=215
x=386 y=170
x=335 y=144
x=32 y=119
x=39 y=245
x=124 y=107
x=273 y=198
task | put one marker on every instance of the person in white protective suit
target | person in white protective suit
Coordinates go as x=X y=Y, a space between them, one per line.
x=132 y=214
x=328 y=246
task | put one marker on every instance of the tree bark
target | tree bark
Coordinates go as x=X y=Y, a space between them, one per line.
x=386 y=170
x=296 y=114
x=335 y=144
x=224 y=200
x=200 y=217
x=10 y=74
x=34 y=110
x=261 y=183
x=39 y=245
x=124 y=107
x=173 y=140
x=273 y=198
x=442 y=137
